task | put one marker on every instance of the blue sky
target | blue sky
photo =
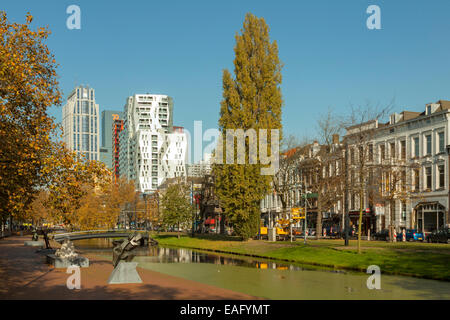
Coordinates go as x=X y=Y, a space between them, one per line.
x=180 y=48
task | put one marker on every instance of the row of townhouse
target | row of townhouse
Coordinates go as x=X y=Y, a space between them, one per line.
x=310 y=172
x=401 y=168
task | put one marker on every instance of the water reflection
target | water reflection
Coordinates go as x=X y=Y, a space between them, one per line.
x=181 y=255
x=271 y=279
x=178 y=255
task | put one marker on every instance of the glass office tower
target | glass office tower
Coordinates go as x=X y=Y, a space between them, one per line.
x=81 y=122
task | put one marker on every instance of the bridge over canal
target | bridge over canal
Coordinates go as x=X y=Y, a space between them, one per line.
x=95 y=234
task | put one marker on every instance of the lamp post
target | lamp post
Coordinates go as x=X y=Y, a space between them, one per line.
x=192 y=203
x=448 y=202
x=145 y=214
x=306 y=214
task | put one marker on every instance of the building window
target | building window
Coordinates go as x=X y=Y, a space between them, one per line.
x=441 y=142
x=428 y=177
x=383 y=152
x=403 y=180
x=85 y=142
x=403 y=151
x=403 y=210
x=416 y=179
x=387 y=182
x=416 y=147
x=85 y=123
x=441 y=176
x=392 y=150
x=85 y=107
x=428 y=142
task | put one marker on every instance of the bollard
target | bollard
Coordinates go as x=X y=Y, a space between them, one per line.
x=368 y=235
x=395 y=236
x=403 y=235
x=324 y=232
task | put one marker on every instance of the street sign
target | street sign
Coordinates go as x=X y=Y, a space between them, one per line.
x=379 y=209
x=298 y=213
x=310 y=195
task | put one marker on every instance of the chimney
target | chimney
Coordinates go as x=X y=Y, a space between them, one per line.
x=335 y=138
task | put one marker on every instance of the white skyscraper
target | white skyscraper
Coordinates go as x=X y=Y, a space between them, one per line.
x=81 y=122
x=151 y=149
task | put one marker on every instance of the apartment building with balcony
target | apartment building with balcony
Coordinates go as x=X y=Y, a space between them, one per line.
x=151 y=148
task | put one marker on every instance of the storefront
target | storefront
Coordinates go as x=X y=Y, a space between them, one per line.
x=429 y=216
x=368 y=222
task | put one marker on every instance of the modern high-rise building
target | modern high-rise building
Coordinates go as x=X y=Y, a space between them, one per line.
x=81 y=122
x=151 y=149
x=107 y=146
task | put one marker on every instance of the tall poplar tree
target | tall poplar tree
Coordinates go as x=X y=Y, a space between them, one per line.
x=252 y=100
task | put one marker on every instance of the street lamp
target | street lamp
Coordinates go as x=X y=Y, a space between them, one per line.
x=145 y=214
x=448 y=169
x=306 y=214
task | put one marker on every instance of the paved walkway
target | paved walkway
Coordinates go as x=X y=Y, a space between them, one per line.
x=24 y=275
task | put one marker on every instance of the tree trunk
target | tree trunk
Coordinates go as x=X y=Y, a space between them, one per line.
x=222 y=223
x=178 y=235
x=319 y=220
x=391 y=220
x=361 y=202
x=346 y=216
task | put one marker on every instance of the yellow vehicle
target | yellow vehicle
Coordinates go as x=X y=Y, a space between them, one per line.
x=283 y=224
x=280 y=232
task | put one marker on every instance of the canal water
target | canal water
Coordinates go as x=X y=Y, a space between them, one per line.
x=272 y=279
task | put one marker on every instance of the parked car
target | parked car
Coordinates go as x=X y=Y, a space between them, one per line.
x=333 y=232
x=411 y=235
x=382 y=235
x=442 y=235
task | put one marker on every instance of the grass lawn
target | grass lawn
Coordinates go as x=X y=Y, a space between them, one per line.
x=417 y=259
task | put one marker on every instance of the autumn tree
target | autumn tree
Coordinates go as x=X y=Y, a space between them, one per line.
x=28 y=87
x=69 y=178
x=251 y=101
x=38 y=212
x=119 y=195
x=176 y=206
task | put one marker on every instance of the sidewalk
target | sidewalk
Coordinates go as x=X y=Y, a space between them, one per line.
x=24 y=275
